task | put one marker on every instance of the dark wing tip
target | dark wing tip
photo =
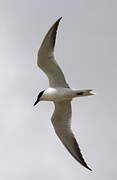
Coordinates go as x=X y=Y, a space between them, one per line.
x=59 y=19
x=86 y=166
x=78 y=155
x=50 y=37
x=54 y=31
x=89 y=168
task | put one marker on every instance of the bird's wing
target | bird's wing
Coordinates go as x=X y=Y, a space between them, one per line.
x=61 y=120
x=46 y=60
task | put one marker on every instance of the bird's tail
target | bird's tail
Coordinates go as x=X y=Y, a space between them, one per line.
x=85 y=92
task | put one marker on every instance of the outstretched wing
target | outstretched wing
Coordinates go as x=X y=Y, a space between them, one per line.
x=46 y=60
x=61 y=120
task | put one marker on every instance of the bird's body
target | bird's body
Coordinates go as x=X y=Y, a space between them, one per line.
x=57 y=94
x=60 y=93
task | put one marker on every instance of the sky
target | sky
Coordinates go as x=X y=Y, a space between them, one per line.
x=86 y=51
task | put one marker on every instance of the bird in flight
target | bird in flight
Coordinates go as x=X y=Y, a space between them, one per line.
x=60 y=93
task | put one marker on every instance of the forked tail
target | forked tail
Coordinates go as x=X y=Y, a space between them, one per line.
x=85 y=92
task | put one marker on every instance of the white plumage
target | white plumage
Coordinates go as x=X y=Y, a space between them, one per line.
x=60 y=93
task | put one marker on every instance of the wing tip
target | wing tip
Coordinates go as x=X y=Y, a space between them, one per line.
x=53 y=30
x=57 y=22
x=88 y=168
x=83 y=163
x=59 y=18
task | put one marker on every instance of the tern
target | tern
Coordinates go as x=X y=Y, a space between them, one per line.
x=60 y=93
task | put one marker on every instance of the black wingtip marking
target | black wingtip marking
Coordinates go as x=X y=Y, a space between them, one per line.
x=55 y=31
x=89 y=168
x=59 y=19
x=57 y=22
x=80 y=158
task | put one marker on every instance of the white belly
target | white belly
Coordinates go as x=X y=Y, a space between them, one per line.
x=58 y=94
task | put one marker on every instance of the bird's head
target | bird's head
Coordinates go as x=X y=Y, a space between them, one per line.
x=38 y=97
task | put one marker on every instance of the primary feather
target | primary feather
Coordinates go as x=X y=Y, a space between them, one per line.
x=46 y=60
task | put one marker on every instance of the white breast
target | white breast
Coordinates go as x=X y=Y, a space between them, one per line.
x=57 y=94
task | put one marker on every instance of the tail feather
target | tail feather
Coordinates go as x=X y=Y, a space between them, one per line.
x=86 y=92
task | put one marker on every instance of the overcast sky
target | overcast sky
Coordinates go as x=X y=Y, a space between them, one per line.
x=86 y=51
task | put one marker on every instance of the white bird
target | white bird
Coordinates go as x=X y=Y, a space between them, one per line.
x=60 y=93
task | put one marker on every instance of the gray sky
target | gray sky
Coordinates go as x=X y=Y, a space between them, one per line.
x=86 y=50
